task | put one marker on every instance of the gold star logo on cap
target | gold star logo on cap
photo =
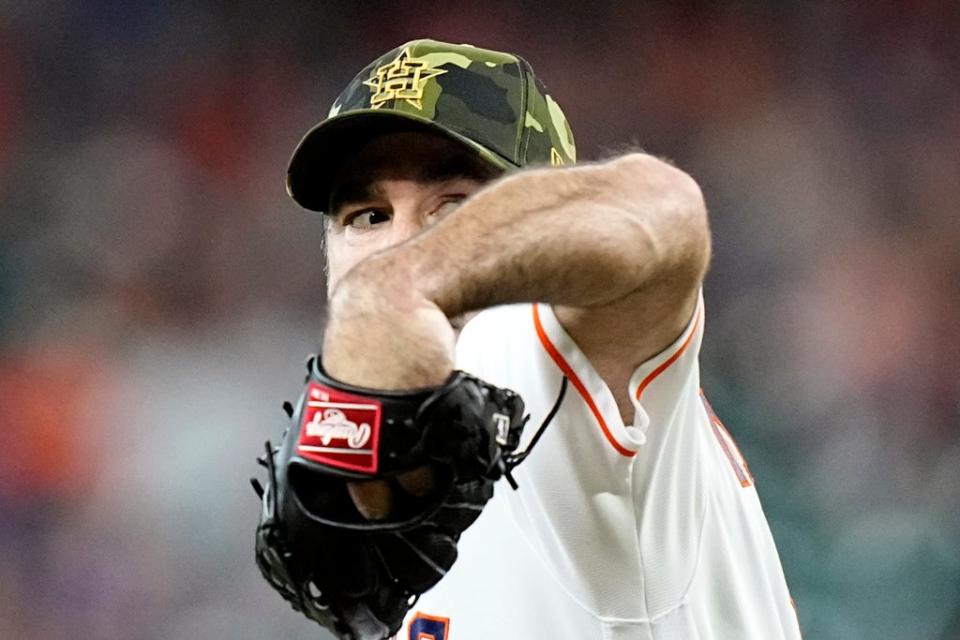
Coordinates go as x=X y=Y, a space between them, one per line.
x=403 y=79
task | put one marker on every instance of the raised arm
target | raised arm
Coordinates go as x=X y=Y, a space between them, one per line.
x=619 y=248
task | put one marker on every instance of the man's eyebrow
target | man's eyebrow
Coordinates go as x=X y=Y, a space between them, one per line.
x=363 y=189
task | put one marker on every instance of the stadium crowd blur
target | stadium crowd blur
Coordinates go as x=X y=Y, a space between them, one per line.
x=158 y=290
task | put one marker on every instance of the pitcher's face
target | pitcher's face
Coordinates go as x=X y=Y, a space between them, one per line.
x=394 y=188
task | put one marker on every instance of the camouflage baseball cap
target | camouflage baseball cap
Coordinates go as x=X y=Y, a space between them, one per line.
x=488 y=100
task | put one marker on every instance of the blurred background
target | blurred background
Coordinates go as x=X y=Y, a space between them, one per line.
x=158 y=291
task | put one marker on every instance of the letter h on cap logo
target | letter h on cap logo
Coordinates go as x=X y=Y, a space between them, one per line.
x=403 y=79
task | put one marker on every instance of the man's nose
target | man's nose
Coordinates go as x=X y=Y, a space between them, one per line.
x=408 y=223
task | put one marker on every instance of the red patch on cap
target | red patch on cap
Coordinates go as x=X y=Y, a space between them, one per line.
x=339 y=429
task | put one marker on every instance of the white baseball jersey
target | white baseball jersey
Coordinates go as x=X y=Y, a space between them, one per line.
x=650 y=530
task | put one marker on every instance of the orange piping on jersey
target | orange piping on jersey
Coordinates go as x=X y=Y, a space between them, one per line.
x=576 y=382
x=669 y=361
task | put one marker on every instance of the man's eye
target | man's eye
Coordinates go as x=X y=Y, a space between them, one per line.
x=449 y=207
x=367 y=219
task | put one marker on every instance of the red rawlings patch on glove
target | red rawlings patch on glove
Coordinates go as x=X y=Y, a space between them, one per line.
x=340 y=429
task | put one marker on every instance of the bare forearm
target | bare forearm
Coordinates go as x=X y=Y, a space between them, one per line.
x=581 y=237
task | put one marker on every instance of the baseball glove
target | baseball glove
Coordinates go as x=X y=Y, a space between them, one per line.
x=359 y=577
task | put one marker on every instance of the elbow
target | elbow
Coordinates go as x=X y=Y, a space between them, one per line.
x=672 y=203
x=693 y=213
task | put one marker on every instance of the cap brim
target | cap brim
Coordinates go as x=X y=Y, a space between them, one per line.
x=323 y=150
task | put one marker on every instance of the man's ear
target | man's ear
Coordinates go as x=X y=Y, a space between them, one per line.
x=326 y=226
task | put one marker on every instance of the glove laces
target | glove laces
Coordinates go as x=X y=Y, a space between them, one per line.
x=512 y=460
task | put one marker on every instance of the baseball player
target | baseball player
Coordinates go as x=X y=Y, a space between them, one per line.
x=462 y=236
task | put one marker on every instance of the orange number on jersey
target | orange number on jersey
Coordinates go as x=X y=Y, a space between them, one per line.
x=424 y=627
x=728 y=446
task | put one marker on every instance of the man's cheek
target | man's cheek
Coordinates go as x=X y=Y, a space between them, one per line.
x=337 y=264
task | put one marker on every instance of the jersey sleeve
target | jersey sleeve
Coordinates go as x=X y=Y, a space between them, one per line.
x=577 y=503
x=525 y=348
x=654 y=388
